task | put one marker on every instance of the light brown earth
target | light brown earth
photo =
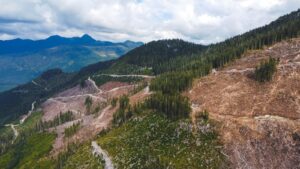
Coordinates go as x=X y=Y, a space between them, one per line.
x=91 y=124
x=259 y=123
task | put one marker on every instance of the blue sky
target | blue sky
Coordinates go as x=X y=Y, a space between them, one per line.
x=200 y=21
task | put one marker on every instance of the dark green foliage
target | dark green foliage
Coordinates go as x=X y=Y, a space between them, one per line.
x=174 y=106
x=158 y=57
x=114 y=102
x=51 y=73
x=82 y=84
x=58 y=120
x=124 y=102
x=70 y=131
x=88 y=103
x=204 y=115
x=101 y=79
x=173 y=82
x=160 y=51
x=167 y=98
x=264 y=72
x=124 y=112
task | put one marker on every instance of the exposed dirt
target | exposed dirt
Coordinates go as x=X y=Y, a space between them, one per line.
x=91 y=124
x=111 y=85
x=140 y=96
x=259 y=123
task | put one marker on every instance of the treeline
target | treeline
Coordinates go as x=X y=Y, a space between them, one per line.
x=58 y=120
x=172 y=82
x=125 y=111
x=177 y=55
x=160 y=51
x=100 y=80
x=167 y=98
x=174 y=106
x=264 y=72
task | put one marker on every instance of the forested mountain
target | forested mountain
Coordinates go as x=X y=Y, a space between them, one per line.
x=166 y=56
x=153 y=107
x=22 y=60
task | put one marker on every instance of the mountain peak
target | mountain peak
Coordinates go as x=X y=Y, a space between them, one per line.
x=87 y=37
x=54 y=37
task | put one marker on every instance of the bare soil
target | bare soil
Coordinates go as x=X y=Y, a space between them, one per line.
x=91 y=124
x=259 y=122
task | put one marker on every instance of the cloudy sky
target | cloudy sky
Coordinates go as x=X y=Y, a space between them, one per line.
x=200 y=21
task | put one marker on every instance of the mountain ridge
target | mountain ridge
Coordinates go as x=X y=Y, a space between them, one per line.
x=23 y=60
x=24 y=45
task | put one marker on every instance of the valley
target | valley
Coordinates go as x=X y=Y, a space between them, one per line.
x=165 y=104
x=23 y=60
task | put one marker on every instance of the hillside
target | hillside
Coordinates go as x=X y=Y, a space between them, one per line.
x=33 y=92
x=258 y=121
x=23 y=60
x=165 y=104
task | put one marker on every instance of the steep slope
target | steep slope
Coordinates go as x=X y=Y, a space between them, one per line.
x=251 y=117
x=259 y=122
x=23 y=60
x=14 y=104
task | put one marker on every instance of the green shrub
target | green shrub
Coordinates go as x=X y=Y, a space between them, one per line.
x=204 y=115
x=70 y=131
x=88 y=103
x=114 y=102
x=264 y=72
x=58 y=120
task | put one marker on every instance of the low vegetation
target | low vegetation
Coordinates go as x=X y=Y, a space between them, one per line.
x=150 y=140
x=88 y=104
x=81 y=157
x=113 y=102
x=174 y=106
x=70 y=131
x=6 y=136
x=58 y=120
x=29 y=152
x=265 y=71
x=124 y=112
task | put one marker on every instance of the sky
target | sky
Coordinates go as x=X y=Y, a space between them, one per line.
x=199 y=21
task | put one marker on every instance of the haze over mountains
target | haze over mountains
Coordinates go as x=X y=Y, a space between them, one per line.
x=22 y=60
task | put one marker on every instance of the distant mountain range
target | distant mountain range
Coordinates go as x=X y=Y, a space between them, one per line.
x=22 y=60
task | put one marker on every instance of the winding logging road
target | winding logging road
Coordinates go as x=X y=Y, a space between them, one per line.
x=16 y=133
x=99 y=152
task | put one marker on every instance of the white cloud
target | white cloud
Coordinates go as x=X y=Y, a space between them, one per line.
x=204 y=21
